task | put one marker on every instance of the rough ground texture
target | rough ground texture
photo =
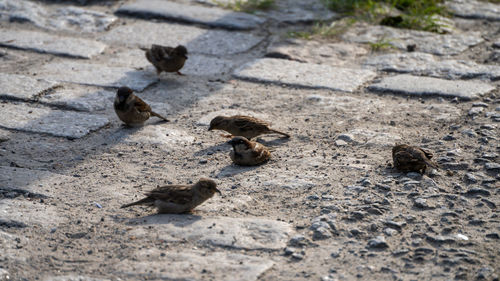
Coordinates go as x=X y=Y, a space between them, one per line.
x=328 y=206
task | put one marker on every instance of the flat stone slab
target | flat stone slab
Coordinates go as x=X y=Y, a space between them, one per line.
x=194 y=265
x=427 y=42
x=51 y=44
x=63 y=18
x=97 y=75
x=23 y=87
x=423 y=86
x=335 y=54
x=160 y=133
x=33 y=181
x=196 y=65
x=209 y=16
x=307 y=75
x=53 y=122
x=239 y=233
x=196 y=40
x=81 y=99
x=73 y=278
x=474 y=9
x=427 y=65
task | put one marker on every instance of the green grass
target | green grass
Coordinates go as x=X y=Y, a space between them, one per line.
x=411 y=14
x=382 y=44
x=247 y=6
x=324 y=30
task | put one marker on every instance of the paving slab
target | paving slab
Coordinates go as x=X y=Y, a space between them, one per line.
x=196 y=40
x=427 y=65
x=335 y=54
x=23 y=87
x=307 y=75
x=196 y=65
x=161 y=134
x=42 y=42
x=79 y=98
x=53 y=122
x=4 y=135
x=197 y=14
x=423 y=86
x=63 y=18
x=287 y=11
x=427 y=42
x=30 y=180
x=239 y=233
x=474 y=9
x=74 y=278
x=194 y=265
x=97 y=75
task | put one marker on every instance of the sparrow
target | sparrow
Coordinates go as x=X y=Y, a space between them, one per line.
x=178 y=199
x=248 y=153
x=244 y=126
x=412 y=159
x=167 y=59
x=131 y=109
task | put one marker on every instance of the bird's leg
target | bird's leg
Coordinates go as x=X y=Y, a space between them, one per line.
x=178 y=72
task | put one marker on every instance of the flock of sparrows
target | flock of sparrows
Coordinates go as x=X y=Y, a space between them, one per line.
x=177 y=199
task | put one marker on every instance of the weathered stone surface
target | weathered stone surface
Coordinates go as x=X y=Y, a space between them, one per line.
x=421 y=86
x=212 y=42
x=32 y=181
x=194 y=265
x=292 y=11
x=427 y=65
x=73 y=278
x=4 y=135
x=166 y=136
x=427 y=42
x=26 y=213
x=54 y=122
x=474 y=9
x=240 y=233
x=63 y=18
x=23 y=87
x=196 y=65
x=81 y=99
x=369 y=137
x=335 y=54
x=286 y=11
x=97 y=75
x=304 y=74
x=209 y=16
x=52 y=44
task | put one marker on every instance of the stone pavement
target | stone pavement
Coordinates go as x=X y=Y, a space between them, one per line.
x=67 y=163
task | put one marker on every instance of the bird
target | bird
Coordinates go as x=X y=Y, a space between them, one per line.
x=131 y=109
x=248 y=153
x=243 y=126
x=167 y=59
x=178 y=199
x=408 y=158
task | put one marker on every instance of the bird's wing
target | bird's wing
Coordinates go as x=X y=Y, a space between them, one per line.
x=428 y=154
x=141 y=106
x=245 y=123
x=162 y=52
x=178 y=194
x=405 y=157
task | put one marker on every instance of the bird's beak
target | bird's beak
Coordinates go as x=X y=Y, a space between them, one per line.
x=210 y=128
x=185 y=57
x=218 y=191
x=230 y=142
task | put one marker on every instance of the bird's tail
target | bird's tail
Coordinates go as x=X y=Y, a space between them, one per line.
x=278 y=132
x=431 y=164
x=159 y=116
x=140 y=202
